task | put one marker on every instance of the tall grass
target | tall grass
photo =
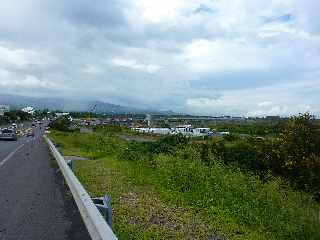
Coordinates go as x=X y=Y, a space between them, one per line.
x=272 y=206
x=93 y=146
x=238 y=200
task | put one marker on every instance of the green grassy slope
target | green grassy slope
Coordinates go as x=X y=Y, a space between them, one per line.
x=178 y=197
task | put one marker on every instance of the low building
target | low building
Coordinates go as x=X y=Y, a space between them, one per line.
x=199 y=132
x=61 y=114
x=162 y=131
x=4 y=109
x=183 y=129
x=186 y=130
x=29 y=110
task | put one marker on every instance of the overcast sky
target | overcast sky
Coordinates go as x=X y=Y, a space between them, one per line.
x=238 y=57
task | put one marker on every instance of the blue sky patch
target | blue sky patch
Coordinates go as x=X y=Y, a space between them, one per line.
x=203 y=8
x=283 y=18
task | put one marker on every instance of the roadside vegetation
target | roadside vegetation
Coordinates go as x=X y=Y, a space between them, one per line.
x=19 y=116
x=61 y=124
x=233 y=188
x=14 y=116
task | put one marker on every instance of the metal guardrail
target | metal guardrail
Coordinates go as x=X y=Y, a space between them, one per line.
x=94 y=221
x=104 y=206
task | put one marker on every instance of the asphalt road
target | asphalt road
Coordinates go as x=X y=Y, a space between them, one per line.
x=34 y=201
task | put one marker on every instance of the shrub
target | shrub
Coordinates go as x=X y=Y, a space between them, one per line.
x=229 y=192
x=61 y=124
x=300 y=153
x=135 y=151
x=182 y=174
x=231 y=137
x=242 y=154
x=169 y=144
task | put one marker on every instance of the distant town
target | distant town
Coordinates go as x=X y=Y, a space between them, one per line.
x=154 y=124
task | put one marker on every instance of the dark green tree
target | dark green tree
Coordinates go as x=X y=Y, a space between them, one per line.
x=61 y=124
x=300 y=152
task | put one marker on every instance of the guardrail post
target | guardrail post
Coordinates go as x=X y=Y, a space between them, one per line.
x=70 y=164
x=104 y=206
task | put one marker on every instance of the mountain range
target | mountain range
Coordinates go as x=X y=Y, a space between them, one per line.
x=69 y=105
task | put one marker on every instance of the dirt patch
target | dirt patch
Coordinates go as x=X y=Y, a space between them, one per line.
x=75 y=158
x=135 y=138
x=130 y=199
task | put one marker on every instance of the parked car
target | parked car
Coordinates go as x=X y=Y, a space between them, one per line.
x=8 y=134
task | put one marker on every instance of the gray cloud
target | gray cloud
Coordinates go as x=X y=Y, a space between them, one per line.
x=163 y=54
x=100 y=14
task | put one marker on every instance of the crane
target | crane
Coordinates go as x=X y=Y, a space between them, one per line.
x=91 y=111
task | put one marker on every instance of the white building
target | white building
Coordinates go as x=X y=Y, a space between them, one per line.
x=162 y=131
x=3 y=109
x=199 y=132
x=29 y=110
x=61 y=114
x=183 y=129
x=186 y=130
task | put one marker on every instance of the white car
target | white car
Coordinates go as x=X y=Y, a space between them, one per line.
x=8 y=134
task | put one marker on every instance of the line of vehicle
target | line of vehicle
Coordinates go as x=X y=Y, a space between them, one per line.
x=10 y=155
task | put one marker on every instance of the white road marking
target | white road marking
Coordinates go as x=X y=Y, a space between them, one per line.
x=10 y=155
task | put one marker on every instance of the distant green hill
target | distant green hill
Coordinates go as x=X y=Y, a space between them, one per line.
x=17 y=101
